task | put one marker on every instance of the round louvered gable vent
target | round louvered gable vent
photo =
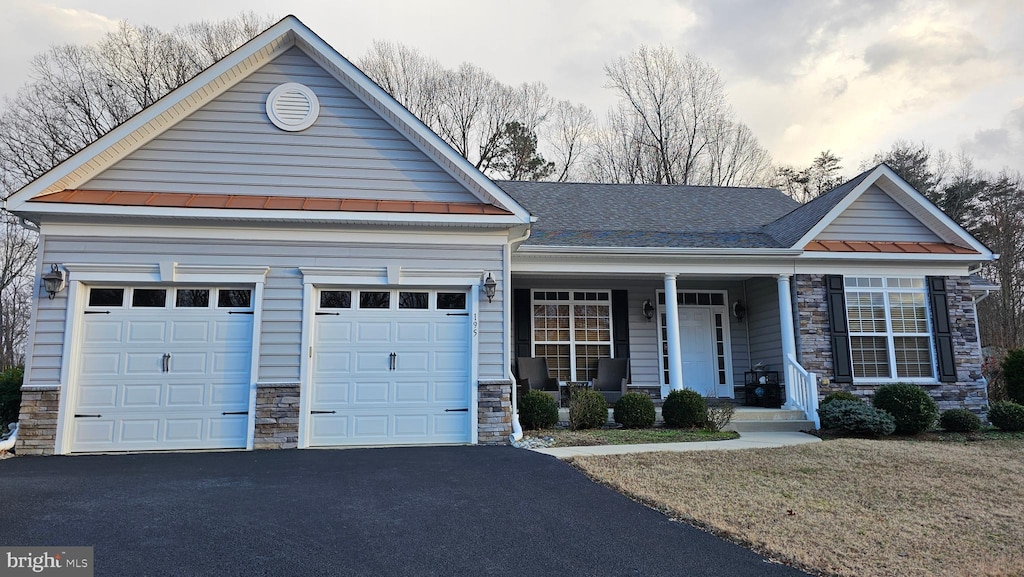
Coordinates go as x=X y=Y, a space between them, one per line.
x=292 y=107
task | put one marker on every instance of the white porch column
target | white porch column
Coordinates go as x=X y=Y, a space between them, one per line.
x=788 y=333
x=675 y=351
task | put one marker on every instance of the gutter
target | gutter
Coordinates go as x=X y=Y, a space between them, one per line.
x=517 y=428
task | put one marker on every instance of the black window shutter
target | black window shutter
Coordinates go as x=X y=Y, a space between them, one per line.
x=620 y=322
x=941 y=329
x=522 y=321
x=841 y=359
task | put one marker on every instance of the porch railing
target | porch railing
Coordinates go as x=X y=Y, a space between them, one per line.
x=803 y=390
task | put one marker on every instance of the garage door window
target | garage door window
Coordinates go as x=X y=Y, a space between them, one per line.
x=451 y=301
x=149 y=298
x=374 y=300
x=106 y=297
x=234 y=298
x=335 y=299
x=192 y=298
x=410 y=300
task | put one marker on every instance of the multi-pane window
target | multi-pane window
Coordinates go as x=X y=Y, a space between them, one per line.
x=889 y=333
x=572 y=330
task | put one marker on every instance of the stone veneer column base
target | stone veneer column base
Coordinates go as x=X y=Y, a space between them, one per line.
x=37 y=422
x=277 y=416
x=494 y=412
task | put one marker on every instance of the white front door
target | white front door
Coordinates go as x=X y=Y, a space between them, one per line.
x=390 y=376
x=703 y=352
x=157 y=376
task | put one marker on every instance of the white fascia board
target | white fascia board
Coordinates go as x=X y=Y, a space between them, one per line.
x=405 y=122
x=838 y=209
x=163 y=113
x=903 y=258
x=900 y=269
x=624 y=264
x=44 y=208
x=591 y=251
x=283 y=234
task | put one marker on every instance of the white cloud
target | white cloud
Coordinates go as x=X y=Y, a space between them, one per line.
x=30 y=27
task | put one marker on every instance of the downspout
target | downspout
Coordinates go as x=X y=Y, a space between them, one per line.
x=517 y=429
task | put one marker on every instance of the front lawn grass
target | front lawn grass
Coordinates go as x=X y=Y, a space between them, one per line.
x=591 y=437
x=848 y=507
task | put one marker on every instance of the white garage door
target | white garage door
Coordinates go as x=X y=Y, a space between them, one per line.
x=390 y=368
x=163 y=369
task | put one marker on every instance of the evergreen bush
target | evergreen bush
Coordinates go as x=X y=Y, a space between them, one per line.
x=537 y=410
x=1007 y=416
x=914 y=409
x=634 y=411
x=685 y=409
x=959 y=421
x=856 y=418
x=1013 y=375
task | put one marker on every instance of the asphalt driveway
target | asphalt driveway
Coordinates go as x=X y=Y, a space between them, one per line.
x=404 y=511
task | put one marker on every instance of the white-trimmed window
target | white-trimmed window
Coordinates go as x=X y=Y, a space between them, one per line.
x=890 y=332
x=572 y=330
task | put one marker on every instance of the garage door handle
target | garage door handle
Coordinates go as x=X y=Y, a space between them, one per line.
x=240 y=312
x=167 y=363
x=96 y=312
x=235 y=413
x=322 y=412
x=88 y=416
x=456 y=410
x=458 y=314
x=394 y=361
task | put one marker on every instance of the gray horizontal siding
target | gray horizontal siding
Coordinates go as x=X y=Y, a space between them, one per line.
x=281 y=329
x=229 y=146
x=876 y=216
x=764 y=323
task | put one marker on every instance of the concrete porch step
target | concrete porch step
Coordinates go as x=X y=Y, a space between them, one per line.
x=780 y=426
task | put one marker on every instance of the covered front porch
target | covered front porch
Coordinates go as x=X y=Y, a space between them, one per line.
x=731 y=335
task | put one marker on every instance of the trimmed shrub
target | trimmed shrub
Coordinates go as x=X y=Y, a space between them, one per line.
x=1013 y=375
x=959 y=421
x=634 y=411
x=856 y=418
x=839 y=396
x=685 y=409
x=587 y=410
x=537 y=410
x=1007 y=416
x=914 y=409
x=10 y=396
x=719 y=414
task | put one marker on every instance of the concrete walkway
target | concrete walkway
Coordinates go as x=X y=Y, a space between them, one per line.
x=746 y=441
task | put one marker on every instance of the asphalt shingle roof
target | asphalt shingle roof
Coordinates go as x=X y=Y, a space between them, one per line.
x=650 y=215
x=678 y=216
x=791 y=227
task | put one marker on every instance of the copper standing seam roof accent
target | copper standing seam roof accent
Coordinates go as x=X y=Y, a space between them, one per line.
x=249 y=202
x=886 y=247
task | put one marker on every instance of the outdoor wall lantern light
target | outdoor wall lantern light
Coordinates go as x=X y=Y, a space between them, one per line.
x=489 y=287
x=54 y=281
x=648 y=309
x=739 y=311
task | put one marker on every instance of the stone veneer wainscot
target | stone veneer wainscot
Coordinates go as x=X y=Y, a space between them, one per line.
x=814 y=346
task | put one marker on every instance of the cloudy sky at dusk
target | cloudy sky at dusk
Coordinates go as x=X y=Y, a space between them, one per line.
x=805 y=75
